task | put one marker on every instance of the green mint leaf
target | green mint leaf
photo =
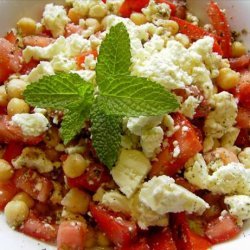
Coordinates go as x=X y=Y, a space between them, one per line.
x=66 y=92
x=114 y=56
x=135 y=96
x=106 y=135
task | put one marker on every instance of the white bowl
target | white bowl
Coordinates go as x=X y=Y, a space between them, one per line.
x=12 y=10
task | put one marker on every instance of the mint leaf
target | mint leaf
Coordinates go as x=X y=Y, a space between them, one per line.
x=106 y=135
x=67 y=92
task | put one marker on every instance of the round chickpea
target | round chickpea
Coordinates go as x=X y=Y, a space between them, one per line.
x=15 y=88
x=227 y=78
x=3 y=96
x=98 y=11
x=16 y=212
x=93 y=23
x=22 y=196
x=27 y=26
x=6 y=171
x=138 y=18
x=238 y=49
x=74 y=165
x=74 y=16
x=17 y=106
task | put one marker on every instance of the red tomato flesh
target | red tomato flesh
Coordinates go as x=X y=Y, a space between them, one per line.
x=243 y=118
x=13 y=149
x=240 y=63
x=40 y=41
x=7 y=192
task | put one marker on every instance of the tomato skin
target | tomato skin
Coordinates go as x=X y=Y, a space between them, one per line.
x=71 y=235
x=120 y=231
x=129 y=6
x=184 y=183
x=27 y=67
x=92 y=178
x=11 y=37
x=239 y=63
x=7 y=192
x=171 y=5
x=40 y=41
x=28 y=180
x=222 y=229
x=243 y=139
x=243 y=94
x=141 y=244
x=243 y=118
x=12 y=150
x=39 y=229
x=80 y=59
x=189 y=144
x=221 y=26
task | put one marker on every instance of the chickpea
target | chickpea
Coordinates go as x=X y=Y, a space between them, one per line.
x=138 y=18
x=74 y=165
x=27 y=26
x=98 y=11
x=6 y=171
x=238 y=49
x=22 y=196
x=17 y=106
x=102 y=239
x=90 y=238
x=15 y=88
x=76 y=201
x=16 y=212
x=3 y=96
x=93 y=23
x=171 y=26
x=183 y=39
x=74 y=16
x=227 y=78
x=52 y=138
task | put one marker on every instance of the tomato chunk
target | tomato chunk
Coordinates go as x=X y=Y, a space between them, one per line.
x=39 y=229
x=243 y=94
x=7 y=192
x=129 y=6
x=13 y=149
x=243 y=118
x=221 y=26
x=37 y=186
x=120 y=231
x=222 y=229
x=240 y=63
x=188 y=142
x=40 y=41
x=80 y=59
x=141 y=244
x=92 y=178
x=71 y=235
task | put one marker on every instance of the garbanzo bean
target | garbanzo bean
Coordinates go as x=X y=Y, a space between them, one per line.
x=22 y=196
x=15 y=88
x=227 y=78
x=6 y=171
x=238 y=49
x=3 y=96
x=27 y=26
x=17 y=106
x=138 y=18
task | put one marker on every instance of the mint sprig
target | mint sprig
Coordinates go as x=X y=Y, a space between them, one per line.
x=120 y=94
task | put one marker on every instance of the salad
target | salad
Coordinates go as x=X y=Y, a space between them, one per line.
x=125 y=125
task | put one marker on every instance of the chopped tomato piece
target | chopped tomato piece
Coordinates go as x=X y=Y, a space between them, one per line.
x=27 y=67
x=243 y=139
x=188 y=142
x=37 y=186
x=243 y=118
x=171 y=5
x=11 y=37
x=10 y=133
x=72 y=28
x=194 y=32
x=80 y=59
x=71 y=235
x=222 y=229
x=119 y=230
x=7 y=192
x=243 y=94
x=40 y=41
x=39 y=229
x=141 y=244
x=93 y=177
x=3 y=110
x=129 y=6
x=221 y=26
x=13 y=149
x=162 y=240
x=184 y=183
x=184 y=238
x=240 y=63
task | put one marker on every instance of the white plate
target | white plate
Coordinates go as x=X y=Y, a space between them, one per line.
x=12 y=10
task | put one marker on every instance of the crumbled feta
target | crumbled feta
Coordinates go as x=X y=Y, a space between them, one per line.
x=35 y=158
x=239 y=206
x=229 y=138
x=162 y=195
x=130 y=170
x=113 y=6
x=87 y=75
x=168 y=122
x=31 y=124
x=62 y=63
x=188 y=107
x=90 y=62
x=244 y=157
x=55 y=19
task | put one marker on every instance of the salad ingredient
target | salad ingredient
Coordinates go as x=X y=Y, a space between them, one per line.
x=3 y=96
x=6 y=171
x=40 y=41
x=238 y=49
x=27 y=26
x=15 y=88
x=17 y=106
x=22 y=196
x=227 y=79
x=7 y=192
x=244 y=157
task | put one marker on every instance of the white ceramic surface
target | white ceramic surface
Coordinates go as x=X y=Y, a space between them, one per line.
x=12 y=10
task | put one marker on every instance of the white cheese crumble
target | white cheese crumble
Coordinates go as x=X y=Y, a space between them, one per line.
x=188 y=107
x=31 y=124
x=55 y=19
x=130 y=170
x=244 y=157
x=162 y=195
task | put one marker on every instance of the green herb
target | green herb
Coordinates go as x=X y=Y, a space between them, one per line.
x=120 y=94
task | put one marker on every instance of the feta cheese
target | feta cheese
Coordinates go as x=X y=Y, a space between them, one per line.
x=34 y=158
x=130 y=170
x=113 y=6
x=229 y=138
x=55 y=19
x=239 y=206
x=87 y=75
x=162 y=195
x=31 y=124
x=244 y=157
x=62 y=63
x=189 y=106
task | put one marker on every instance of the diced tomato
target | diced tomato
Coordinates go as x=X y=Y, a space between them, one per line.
x=243 y=118
x=243 y=139
x=194 y=32
x=184 y=238
x=10 y=133
x=9 y=59
x=129 y=6
x=13 y=149
x=11 y=37
x=27 y=67
x=92 y=178
x=72 y=28
x=37 y=186
x=243 y=94
x=80 y=59
x=39 y=229
x=240 y=63
x=189 y=145
x=40 y=41
x=184 y=183
x=222 y=229
x=162 y=240
x=7 y=192
x=221 y=26
x=119 y=230
x=71 y=235
x=141 y=244
x=171 y=5
x=3 y=109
